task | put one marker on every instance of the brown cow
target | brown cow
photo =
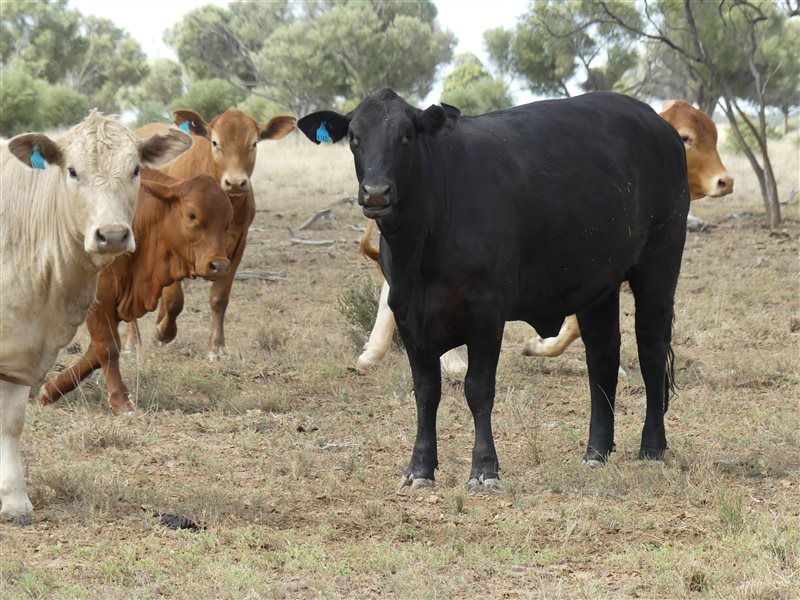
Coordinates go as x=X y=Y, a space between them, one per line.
x=707 y=177
x=179 y=227
x=225 y=148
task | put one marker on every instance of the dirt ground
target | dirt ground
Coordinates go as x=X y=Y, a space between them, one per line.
x=287 y=460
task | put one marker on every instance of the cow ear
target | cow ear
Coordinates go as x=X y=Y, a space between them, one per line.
x=190 y=122
x=324 y=126
x=159 y=150
x=438 y=120
x=277 y=128
x=34 y=149
x=167 y=193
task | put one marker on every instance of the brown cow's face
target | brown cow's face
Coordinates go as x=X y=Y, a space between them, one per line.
x=707 y=174
x=234 y=137
x=199 y=214
x=205 y=215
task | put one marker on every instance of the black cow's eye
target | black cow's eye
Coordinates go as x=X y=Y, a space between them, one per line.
x=72 y=173
x=352 y=138
x=405 y=139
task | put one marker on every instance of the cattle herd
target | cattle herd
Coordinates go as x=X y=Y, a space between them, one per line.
x=535 y=213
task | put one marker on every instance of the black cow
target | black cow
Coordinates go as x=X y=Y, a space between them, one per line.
x=530 y=213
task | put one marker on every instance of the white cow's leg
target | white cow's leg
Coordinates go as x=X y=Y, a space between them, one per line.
x=554 y=346
x=454 y=362
x=13 y=492
x=131 y=338
x=380 y=338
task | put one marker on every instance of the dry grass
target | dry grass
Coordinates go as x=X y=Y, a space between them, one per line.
x=289 y=459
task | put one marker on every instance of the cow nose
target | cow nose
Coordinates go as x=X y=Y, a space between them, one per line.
x=234 y=183
x=377 y=191
x=724 y=185
x=112 y=238
x=219 y=267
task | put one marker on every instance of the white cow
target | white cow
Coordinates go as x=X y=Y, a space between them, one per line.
x=66 y=207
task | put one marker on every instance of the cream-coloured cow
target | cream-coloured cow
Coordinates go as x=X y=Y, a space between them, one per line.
x=707 y=177
x=66 y=207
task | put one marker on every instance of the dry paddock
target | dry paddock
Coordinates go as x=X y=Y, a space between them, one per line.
x=287 y=459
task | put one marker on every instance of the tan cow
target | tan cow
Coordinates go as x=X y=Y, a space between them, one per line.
x=180 y=227
x=65 y=212
x=225 y=148
x=707 y=177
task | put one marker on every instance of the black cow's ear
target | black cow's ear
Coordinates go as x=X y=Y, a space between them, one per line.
x=438 y=120
x=324 y=126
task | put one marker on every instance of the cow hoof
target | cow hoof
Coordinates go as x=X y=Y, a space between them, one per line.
x=17 y=510
x=21 y=520
x=532 y=346
x=652 y=454
x=593 y=463
x=417 y=483
x=490 y=484
x=364 y=364
x=216 y=354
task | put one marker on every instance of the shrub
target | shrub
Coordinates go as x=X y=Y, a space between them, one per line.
x=210 y=97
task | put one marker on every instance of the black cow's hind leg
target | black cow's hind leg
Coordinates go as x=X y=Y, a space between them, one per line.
x=479 y=388
x=427 y=376
x=654 y=292
x=599 y=327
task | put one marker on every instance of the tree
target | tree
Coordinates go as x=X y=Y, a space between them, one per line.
x=472 y=89
x=556 y=43
x=731 y=46
x=210 y=97
x=332 y=51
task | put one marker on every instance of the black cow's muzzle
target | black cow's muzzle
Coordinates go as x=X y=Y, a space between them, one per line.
x=375 y=199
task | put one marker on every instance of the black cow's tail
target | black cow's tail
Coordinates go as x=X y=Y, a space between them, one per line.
x=670 y=386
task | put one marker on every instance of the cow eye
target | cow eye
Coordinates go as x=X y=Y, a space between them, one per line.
x=214 y=143
x=192 y=217
x=352 y=139
x=72 y=173
x=405 y=138
x=136 y=172
x=254 y=145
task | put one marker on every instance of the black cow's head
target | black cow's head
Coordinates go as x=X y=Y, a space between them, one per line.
x=386 y=136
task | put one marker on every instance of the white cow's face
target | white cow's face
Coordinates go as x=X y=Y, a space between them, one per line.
x=100 y=161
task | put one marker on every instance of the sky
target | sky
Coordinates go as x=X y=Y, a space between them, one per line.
x=146 y=20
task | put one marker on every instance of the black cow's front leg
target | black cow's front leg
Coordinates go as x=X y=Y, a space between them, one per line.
x=599 y=327
x=479 y=387
x=427 y=377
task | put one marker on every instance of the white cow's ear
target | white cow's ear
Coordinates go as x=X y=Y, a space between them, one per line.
x=34 y=149
x=159 y=150
x=189 y=121
x=277 y=128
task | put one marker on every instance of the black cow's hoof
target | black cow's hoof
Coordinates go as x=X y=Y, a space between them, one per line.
x=595 y=458
x=655 y=454
x=489 y=484
x=416 y=483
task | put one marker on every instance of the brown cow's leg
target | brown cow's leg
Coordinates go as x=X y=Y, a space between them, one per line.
x=106 y=344
x=220 y=294
x=69 y=379
x=169 y=308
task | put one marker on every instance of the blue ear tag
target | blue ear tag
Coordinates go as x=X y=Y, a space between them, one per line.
x=37 y=160
x=322 y=134
x=184 y=127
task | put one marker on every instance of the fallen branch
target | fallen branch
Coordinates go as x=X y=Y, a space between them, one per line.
x=295 y=240
x=263 y=275
x=326 y=213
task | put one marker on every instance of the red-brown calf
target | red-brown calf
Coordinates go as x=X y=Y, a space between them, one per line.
x=179 y=226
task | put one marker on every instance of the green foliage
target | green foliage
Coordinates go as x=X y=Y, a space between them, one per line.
x=29 y=104
x=359 y=305
x=19 y=108
x=732 y=145
x=472 y=89
x=262 y=109
x=331 y=51
x=59 y=45
x=210 y=97
x=60 y=105
x=152 y=112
